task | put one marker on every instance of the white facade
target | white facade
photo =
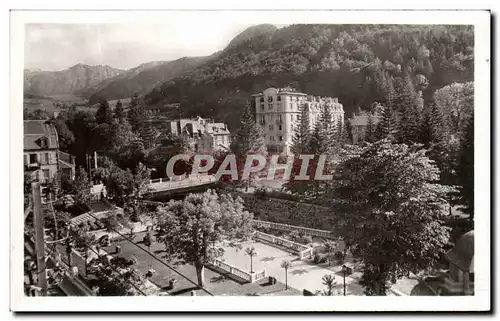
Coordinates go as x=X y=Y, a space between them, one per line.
x=277 y=112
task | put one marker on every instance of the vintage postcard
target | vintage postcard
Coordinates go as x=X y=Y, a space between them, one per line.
x=250 y=160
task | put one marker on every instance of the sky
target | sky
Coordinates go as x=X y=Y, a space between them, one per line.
x=50 y=46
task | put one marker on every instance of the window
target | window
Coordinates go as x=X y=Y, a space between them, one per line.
x=271 y=117
x=270 y=106
x=33 y=158
x=262 y=106
x=471 y=277
x=270 y=99
x=46 y=173
x=45 y=158
x=280 y=119
x=271 y=127
x=261 y=99
x=280 y=138
x=280 y=127
x=44 y=142
x=271 y=138
x=279 y=98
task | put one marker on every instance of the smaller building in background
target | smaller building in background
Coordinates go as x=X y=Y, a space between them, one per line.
x=208 y=135
x=360 y=125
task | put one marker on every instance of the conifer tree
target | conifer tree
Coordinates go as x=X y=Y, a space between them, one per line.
x=371 y=127
x=104 y=115
x=386 y=128
x=249 y=138
x=147 y=133
x=135 y=114
x=302 y=134
x=409 y=124
x=465 y=168
x=323 y=134
x=119 y=112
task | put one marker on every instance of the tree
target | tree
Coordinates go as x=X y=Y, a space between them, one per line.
x=329 y=247
x=329 y=283
x=465 y=168
x=104 y=114
x=399 y=206
x=386 y=128
x=82 y=242
x=323 y=136
x=188 y=227
x=370 y=129
x=81 y=187
x=456 y=102
x=286 y=265
x=125 y=186
x=119 y=112
x=114 y=277
x=302 y=134
x=248 y=138
x=65 y=136
x=135 y=114
x=147 y=134
x=251 y=252
x=409 y=123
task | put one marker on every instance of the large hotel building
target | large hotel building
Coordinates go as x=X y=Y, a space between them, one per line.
x=278 y=109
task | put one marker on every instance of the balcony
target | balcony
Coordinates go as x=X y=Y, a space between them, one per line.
x=32 y=165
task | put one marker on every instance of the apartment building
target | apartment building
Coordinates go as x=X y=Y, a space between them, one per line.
x=277 y=112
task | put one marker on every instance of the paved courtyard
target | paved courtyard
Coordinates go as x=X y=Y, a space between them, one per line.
x=216 y=283
x=302 y=275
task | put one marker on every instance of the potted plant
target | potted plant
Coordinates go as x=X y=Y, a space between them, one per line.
x=172 y=282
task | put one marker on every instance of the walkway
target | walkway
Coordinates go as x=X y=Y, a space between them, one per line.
x=301 y=275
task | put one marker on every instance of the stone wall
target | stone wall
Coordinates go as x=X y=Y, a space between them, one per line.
x=289 y=212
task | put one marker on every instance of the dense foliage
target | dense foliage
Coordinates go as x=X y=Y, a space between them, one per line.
x=344 y=61
x=393 y=210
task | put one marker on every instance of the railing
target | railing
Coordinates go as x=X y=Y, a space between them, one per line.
x=163 y=184
x=286 y=227
x=302 y=251
x=247 y=276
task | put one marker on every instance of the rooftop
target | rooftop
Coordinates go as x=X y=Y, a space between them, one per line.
x=363 y=120
x=39 y=135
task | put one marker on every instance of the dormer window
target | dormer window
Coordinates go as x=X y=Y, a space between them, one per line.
x=44 y=142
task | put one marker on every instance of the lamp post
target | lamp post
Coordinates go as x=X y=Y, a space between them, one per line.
x=344 y=270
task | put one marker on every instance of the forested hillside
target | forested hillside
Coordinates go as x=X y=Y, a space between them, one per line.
x=142 y=79
x=353 y=63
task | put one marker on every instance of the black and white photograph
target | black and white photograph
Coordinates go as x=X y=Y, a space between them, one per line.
x=184 y=166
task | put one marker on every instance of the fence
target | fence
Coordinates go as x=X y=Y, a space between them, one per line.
x=300 y=229
x=302 y=250
x=247 y=276
x=166 y=184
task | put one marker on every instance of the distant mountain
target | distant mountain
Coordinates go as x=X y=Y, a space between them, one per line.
x=141 y=79
x=350 y=62
x=66 y=81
